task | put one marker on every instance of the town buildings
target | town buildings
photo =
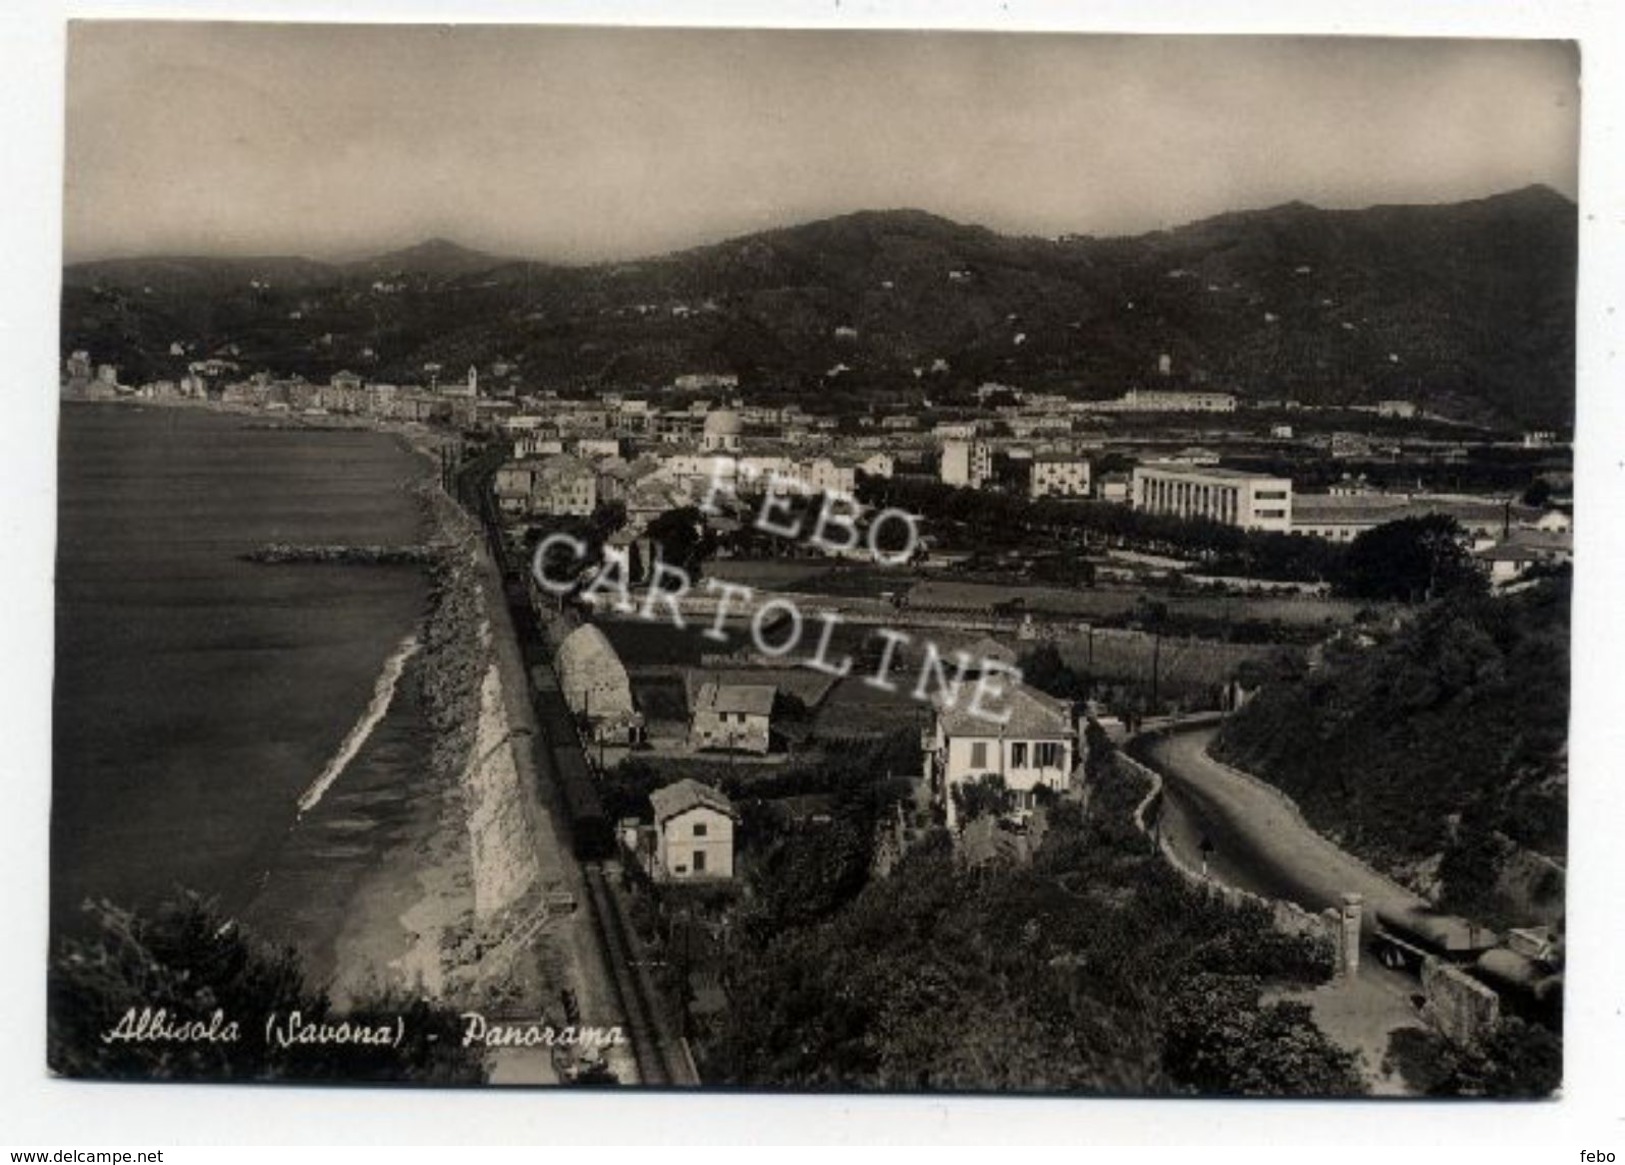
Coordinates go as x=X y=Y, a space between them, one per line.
x=722 y=433
x=1509 y=560
x=733 y=716
x=1059 y=475
x=1163 y=400
x=1351 y=509
x=966 y=463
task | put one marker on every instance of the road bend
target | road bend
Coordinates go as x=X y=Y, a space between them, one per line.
x=1258 y=842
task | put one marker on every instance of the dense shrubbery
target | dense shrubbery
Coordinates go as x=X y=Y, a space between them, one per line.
x=1065 y=975
x=1221 y=1038
x=189 y=962
x=1441 y=739
x=1516 y=1060
x=1044 y=669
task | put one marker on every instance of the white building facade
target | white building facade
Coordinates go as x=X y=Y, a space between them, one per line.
x=966 y=463
x=694 y=832
x=1036 y=747
x=1059 y=476
x=1251 y=501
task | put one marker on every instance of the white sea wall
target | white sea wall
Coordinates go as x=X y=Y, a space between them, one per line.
x=502 y=849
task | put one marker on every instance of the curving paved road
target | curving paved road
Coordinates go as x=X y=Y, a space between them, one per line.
x=1262 y=845
x=1259 y=843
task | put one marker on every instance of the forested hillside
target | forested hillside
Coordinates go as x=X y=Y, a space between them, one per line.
x=1437 y=751
x=1467 y=309
x=1094 y=970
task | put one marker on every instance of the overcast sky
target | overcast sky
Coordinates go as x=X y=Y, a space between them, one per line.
x=580 y=144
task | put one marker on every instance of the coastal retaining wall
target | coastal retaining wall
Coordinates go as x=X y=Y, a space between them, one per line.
x=502 y=850
x=479 y=724
x=1286 y=917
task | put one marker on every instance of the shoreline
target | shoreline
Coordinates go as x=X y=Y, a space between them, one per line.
x=454 y=911
x=406 y=913
x=478 y=931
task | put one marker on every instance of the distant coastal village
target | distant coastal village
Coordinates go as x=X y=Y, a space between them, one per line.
x=655 y=452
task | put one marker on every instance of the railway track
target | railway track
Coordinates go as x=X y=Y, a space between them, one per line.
x=660 y=1061
x=656 y=1066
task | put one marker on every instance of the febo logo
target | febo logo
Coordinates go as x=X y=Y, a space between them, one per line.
x=777 y=624
x=839 y=512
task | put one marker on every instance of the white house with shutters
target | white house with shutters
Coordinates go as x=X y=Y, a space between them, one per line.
x=1035 y=748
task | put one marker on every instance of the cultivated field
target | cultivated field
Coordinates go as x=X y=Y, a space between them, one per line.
x=854 y=708
x=1125 y=656
x=1108 y=603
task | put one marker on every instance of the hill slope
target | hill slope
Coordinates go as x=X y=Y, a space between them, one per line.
x=1467 y=307
x=1439 y=754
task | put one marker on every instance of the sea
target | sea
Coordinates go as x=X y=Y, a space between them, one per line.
x=247 y=732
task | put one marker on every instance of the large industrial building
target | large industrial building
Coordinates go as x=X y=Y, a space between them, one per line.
x=1163 y=400
x=1249 y=500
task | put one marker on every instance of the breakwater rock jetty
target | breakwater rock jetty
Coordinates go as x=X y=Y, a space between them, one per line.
x=286 y=552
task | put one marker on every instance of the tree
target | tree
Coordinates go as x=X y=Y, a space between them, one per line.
x=1411 y=560
x=1515 y=1060
x=188 y=961
x=1538 y=494
x=1220 y=1039
x=1044 y=669
x=810 y=874
x=986 y=796
x=1098 y=749
x=681 y=539
x=607 y=518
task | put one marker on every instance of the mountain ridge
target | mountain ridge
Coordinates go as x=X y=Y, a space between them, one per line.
x=1466 y=307
x=1536 y=191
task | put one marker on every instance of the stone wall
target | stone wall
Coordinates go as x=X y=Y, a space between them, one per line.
x=502 y=846
x=1286 y=917
x=1461 y=1007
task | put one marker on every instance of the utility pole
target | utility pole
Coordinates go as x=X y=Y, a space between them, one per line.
x=1156 y=662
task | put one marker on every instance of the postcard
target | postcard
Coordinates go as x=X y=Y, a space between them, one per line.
x=862 y=561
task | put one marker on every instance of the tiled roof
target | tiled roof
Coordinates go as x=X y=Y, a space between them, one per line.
x=1312 y=509
x=1182 y=469
x=753 y=699
x=1032 y=714
x=591 y=674
x=688 y=794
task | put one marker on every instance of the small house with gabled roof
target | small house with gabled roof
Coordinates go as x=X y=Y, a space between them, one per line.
x=733 y=716
x=694 y=832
